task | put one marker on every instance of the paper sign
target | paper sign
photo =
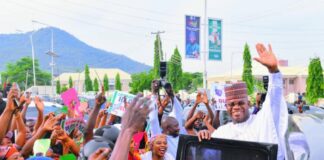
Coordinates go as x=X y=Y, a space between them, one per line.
x=217 y=92
x=68 y=157
x=41 y=146
x=117 y=103
x=70 y=99
x=73 y=123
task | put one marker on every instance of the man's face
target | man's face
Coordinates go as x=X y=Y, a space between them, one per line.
x=155 y=85
x=238 y=109
x=173 y=128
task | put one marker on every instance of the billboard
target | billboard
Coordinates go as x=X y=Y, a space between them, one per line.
x=215 y=39
x=192 y=37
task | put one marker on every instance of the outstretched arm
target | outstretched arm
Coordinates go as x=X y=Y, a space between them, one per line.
x=21 y=138
x=100 y=99
x=133 y=119
x=6 y=116
x=274 y=103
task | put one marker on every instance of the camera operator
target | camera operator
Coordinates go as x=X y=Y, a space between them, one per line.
x=171 y=125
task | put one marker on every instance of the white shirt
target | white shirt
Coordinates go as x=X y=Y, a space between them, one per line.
x=148 y=156
x=156 y=129
x=268 y=126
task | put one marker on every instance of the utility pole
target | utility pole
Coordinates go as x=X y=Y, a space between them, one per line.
x=50 y=53
x=159 y=43
x=33 y=53
x=205 y=46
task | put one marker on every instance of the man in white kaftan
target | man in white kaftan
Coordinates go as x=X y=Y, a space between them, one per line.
x=270 y=124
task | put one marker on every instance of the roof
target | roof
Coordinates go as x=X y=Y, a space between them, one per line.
x=258 y=71
x=98 y=73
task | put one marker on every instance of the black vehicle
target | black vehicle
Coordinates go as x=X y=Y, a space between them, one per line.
x=223 y=149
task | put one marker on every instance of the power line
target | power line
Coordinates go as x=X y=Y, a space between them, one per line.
x=80 y=20
x=103 y=17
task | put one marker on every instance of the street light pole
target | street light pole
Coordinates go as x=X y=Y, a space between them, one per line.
x=50 y=53
x=205 y=47
x=33 y=56
x=159 y=42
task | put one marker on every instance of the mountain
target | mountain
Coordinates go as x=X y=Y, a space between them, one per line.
x=73 y=53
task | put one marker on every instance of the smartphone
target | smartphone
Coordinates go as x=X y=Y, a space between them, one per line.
x=16 y=99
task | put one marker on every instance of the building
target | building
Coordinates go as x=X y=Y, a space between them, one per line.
x=294 y=78
x=99 y=73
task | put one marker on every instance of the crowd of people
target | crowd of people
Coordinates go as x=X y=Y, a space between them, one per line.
x=145 y=131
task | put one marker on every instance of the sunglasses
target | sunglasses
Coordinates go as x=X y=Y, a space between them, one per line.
x=232 y=104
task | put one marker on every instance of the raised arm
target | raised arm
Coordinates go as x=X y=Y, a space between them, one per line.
x=132 y=120
x=100 y=99
x=21 y=138
x=216 y=121
x=206 y=102
x=48 y=126
x=40 y=108
x=274 y=98
x=6 y=116
x=154 y=120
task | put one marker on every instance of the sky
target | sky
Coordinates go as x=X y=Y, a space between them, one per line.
x=295 y=28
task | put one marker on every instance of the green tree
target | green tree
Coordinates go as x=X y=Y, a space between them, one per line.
x=118 y=85
x=106 y=83
x=192 y=81
x=141 y=81
x=175 y=71
x=88 y=82
x=315 y=81
x=70 y=82
x=58 y=87
x=247 y=70
x=157 y=56
x=64 y=88
x=22 y=68
x=95 y=85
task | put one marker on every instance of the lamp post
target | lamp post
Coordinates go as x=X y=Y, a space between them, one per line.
x=50 y=53
x=33 y=52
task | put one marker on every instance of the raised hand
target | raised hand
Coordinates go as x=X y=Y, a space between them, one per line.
x=207 y=120
x=50 y=123
x=39 y=104
x=205 y=98
x=198 y=98
x=61 y=135
x=136 y=114
x=199 y=115
x=13 y=93
x=267 y=58
x=100 y=98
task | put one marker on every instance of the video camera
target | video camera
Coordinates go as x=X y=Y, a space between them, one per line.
x=162 y=82
x=265 y=80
